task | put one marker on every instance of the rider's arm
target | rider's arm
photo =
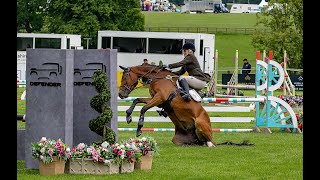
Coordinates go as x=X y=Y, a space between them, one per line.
x=185 y=61
x=181 y=71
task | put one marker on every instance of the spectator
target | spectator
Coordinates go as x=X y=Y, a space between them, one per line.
x=246 y=68
x=145 y=62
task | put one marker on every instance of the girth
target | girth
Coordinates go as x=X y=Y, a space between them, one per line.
x=166 y=106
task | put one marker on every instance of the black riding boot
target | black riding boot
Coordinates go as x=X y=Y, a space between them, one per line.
x=185 y=86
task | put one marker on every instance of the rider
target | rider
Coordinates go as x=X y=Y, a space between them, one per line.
x=197 y=79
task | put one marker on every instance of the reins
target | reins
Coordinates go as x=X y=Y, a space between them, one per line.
x=169 y=77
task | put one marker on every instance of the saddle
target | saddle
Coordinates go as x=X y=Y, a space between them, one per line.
x=166 y=106
x=193 y=93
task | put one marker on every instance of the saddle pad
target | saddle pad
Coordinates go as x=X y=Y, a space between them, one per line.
x=195 y=96
x=193 y=93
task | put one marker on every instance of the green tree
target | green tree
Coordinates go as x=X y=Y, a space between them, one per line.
x=88 y=17
x=30 y=15
x=285 y=22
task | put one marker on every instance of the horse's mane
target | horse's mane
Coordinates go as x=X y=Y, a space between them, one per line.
x=149 y=67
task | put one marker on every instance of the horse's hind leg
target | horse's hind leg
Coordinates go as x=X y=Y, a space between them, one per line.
x=133 y=105
x=204 y=130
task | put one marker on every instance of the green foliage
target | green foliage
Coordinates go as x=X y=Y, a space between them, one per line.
x=88 y=17
x=160 y=63
x=286 y=31
x=99 y=103
x=30 y=15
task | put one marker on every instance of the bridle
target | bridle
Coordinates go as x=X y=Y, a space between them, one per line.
x=129 y=88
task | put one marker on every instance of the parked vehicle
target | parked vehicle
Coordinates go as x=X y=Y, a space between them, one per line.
x=244 y=8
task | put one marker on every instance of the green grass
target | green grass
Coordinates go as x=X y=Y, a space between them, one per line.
x=274 y=156
x=228 y=20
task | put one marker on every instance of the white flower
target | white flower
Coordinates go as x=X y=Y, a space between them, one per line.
x=89 y=150
x=42 y=150
x=121 y=146
x=116 y=145
x=106 y=161
x=143 y=139
x=133 y=146
x=122 y=156
x=81 y=145
x=105 y=144
x=128 y=146
x=104 y=149
x=68 y=149
x=140 y=144
x=41 y=157
x=43 y=139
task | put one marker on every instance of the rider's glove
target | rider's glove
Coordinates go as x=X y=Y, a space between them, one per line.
x=164 y=66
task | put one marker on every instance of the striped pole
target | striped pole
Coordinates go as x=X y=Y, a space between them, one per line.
x=21 y=81
x=172 y=130
x=242 y=99
x=232 y=96
x=129 y=99
x=238 y=86
x=21 y=86
x=235 y=100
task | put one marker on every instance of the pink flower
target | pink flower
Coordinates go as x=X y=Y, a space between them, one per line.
x=50 y=151
x=119 y=152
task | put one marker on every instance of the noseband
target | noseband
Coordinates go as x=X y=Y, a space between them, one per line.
x=128 y=71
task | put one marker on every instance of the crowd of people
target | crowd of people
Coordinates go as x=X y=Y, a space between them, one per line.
x=157 y=5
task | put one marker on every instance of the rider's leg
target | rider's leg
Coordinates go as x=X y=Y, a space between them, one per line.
x=185 y=87
x=196 y=84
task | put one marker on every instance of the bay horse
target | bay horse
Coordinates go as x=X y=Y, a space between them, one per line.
x=192 y=122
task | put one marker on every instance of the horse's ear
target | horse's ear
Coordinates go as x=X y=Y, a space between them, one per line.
x=123 y=68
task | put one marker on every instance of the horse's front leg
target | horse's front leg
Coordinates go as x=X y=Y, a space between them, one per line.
x=155 y=101
x=133 y=105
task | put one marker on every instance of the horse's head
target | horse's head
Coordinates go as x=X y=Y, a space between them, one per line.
x=128 y=82
x=132 y=75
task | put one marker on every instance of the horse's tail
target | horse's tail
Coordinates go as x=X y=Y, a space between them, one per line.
x=243 y=143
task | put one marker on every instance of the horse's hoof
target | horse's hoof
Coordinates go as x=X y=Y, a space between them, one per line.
x=129 y=119
x=138 y=133
x=210 y=144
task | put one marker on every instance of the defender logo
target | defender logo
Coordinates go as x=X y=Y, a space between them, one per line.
x=300 y=78
x=86 y=74
x=92 y=67
x=52 y=69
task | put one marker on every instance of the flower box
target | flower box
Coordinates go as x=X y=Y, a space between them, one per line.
x=126 y=167
x=145 y=162
x=89 y=166
x=57 y=166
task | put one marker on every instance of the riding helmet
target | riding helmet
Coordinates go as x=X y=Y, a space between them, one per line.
x=189 y=46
